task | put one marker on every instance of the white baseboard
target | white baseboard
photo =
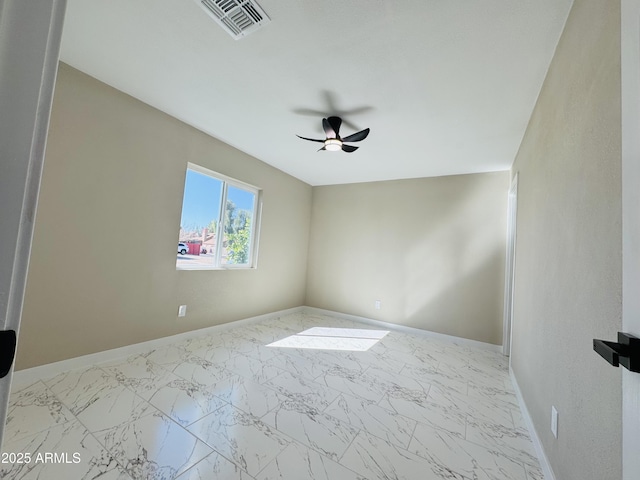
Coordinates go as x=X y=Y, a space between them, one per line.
x=31 y=375
x=542 y=457
x=410 y=330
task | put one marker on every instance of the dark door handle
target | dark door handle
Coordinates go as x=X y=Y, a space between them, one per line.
x=626 y=352
x=7 y=351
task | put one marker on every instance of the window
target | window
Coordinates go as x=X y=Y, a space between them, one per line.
x=219 y=224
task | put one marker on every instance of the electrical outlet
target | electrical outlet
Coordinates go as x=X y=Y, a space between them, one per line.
x=554 y=421
x=182 y=310
x=377 y=304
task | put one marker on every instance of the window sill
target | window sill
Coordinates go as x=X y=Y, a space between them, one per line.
x=203 y=267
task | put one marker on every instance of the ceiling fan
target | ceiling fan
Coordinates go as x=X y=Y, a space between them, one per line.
x=334 y=142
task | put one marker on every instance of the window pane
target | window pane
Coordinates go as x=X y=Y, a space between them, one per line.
x=238 y=221
x=199 y=223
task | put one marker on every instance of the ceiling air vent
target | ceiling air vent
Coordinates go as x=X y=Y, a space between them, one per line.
x=238 y=17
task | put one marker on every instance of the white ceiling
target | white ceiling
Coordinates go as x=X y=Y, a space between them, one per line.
x=446 y=86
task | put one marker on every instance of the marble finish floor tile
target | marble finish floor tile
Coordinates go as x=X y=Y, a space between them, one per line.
x=33 y=409
x=215 y=466
x=135 y=371
x=111 y=408
x=263 y=333
x=198 y=370
x=451 y=453
x=148 y=387
x=483 y=411
x=216 y=354
x=297 y=462
x=425 y=358
x=534 y=473
x=252 y=368
x=264 y=353
x=296 y=364
x=153 y=446
x=391 y=343
x=323 y=433
x=79 y=455
x=374 y=458
x=439 y=379
x=236 y=343
x=513 y=442
x=97 y=399
x=248 y=442
x=167 y=356
x=352 y=382
x=396 y=382
x=225 y=405
x=373 y=418
x=497 y=395
x=384 y=360
x=78 y=387
x=185 y=401
x=247 y=395
x=303 y=390
x=201 y=342
x=426 y=412
x=335 y=358
x=475 y=373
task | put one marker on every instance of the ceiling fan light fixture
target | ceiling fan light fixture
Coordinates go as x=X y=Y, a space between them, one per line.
x=332 y=144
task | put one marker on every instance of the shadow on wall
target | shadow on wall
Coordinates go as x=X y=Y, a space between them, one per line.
x=454 y=273
x=468 y=304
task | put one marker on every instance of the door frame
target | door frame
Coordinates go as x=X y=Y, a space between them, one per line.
x=510 y=266
x=630 y=93
x=30 y=36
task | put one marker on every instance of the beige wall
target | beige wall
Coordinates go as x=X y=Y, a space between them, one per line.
x=568 y=256
x=431 y=250
x=102 y=271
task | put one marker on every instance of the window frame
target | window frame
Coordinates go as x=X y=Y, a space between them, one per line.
x=252 y=262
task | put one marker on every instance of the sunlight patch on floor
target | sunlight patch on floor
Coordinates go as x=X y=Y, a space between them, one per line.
x=327 y=338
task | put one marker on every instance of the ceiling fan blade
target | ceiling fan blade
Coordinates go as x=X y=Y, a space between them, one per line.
x=356 y=137
x=310 y=139
x=335 y=123
x=309 y=112
x=323 y=148
x=328 y=129
x=348 y=148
